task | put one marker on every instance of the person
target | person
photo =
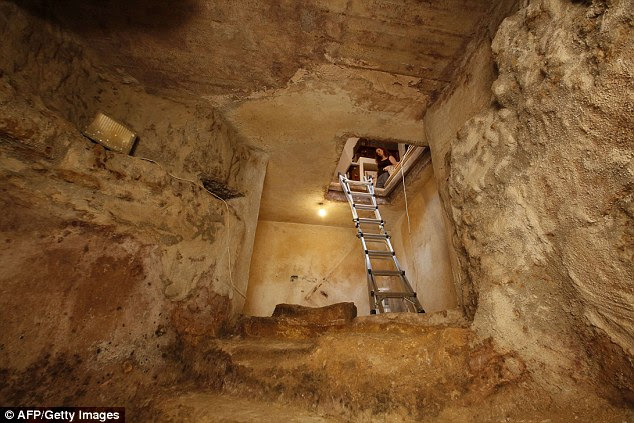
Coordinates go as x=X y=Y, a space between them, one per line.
x=383 y=160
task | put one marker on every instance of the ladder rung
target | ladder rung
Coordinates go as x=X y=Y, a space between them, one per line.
x=361 y=194
x=357 y=183
x=393 y=294
x=387 y=272
x=365 y=207
x=368 y=220
x=380 y=237
x=376 y=253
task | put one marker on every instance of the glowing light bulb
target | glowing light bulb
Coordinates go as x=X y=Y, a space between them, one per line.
x=321 y=212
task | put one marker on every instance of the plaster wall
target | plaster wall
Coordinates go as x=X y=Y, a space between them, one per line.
x=470 y=94
x=311 y=265
x=421 y=245
x=317 y=265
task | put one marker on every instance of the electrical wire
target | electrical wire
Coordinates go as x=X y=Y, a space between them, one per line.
x=198 y=184
x=409 y=228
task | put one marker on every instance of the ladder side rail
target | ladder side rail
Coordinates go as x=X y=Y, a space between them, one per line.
x=413 y=298
x=408 y=286
x=397 y=264
x=368 y=261
x=414 y=303
x=377 y=214
x=389 y=244
x=344 y=186
x=372 y=288
x=363 y=243
x=378 y=302
x=371 y=297
x=347 y=192
x=370 y=188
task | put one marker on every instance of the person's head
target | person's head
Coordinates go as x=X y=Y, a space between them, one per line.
x=380 y=153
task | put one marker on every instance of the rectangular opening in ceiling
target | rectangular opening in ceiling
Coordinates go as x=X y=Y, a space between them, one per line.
x=359 y=160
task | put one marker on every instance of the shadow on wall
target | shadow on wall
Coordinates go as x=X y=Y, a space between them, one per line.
x=86 y=16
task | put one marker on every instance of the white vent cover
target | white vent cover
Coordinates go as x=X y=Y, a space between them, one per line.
x=111 y=134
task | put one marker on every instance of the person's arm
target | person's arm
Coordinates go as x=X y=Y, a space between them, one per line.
x=393 y=160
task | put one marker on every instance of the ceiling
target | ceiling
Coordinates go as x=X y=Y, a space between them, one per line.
x=295 y=78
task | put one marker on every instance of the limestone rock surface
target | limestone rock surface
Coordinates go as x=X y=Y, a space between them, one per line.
x=109 y=262
x=540 y=191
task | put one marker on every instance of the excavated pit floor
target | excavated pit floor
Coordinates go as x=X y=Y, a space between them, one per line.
x=327 y=366
x=216 y=408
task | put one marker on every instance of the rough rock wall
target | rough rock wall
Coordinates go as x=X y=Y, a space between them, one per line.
x=539 y=190
x=188 y=139
x=185 y=135
x=107 y=261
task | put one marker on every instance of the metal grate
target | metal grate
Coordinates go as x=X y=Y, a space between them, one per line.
x=111 y=134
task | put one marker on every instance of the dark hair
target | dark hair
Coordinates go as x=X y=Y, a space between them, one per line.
x=378 y=156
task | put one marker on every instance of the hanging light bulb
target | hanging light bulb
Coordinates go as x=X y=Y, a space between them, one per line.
x=321 y=211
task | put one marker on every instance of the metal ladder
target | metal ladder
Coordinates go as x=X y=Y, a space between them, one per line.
x=382 y=298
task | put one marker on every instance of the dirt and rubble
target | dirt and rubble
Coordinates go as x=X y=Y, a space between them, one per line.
x=381 y=368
